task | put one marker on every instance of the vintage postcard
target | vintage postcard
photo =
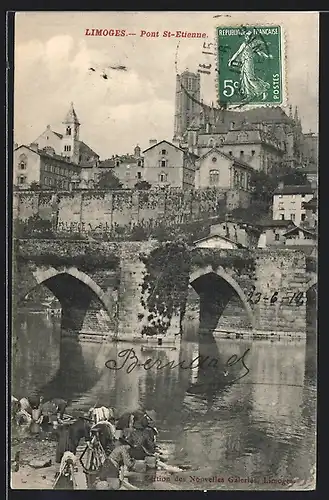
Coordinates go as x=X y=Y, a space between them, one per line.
x=164 y=322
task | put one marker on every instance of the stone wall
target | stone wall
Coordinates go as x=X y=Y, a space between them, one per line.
x=92 y=210
x=281 y=284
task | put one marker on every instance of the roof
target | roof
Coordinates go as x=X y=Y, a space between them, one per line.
x=218 y=236
x=297 y=229
x=312 y=204
x=276 y=223
x=294 y=190
x=161 y=142
x=84 y=148
x=71 y=116
x=229 y=157
x=265 y=114
x=44 y=154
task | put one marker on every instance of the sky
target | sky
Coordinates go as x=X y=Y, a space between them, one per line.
x=53 y=56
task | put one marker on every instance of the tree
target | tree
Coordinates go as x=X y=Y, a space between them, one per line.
x=35 y=186
x=264 y=185
x=142 y=185
x=107 y=180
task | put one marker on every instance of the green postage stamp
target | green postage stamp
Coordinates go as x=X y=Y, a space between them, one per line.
x=250 y=65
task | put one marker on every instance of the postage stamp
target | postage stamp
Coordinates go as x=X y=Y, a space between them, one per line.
x=250 y=64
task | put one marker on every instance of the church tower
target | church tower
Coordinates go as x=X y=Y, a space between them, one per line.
x=186 y=109
x=70 y=142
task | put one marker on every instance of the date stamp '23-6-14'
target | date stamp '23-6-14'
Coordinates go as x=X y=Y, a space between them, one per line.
x=250 y=65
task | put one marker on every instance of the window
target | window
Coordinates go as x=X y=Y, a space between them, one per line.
x=303 y=217
x=46 y=181
x=22 y=162
x=214 y=177
x=230 y=153
x=117 y=163
x=253 y=152
x=241 y=153
x=303 y=195
x=67 y=147
x=277 y=237
x=163 y=152
x=139 y=163
x=68 y=131
x=214 y=159
x=281 y=216
x=139 y=175
x=163 y=163
x=292 y=217
x=163 y=177
x=21 y=179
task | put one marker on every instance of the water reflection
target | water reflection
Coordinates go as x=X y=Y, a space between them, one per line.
x=262 y=424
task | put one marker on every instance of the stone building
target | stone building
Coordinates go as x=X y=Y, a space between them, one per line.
x=64 y=148
x=231 y=235
x=217 y=169
x=128 y=168
x=272 y=232
x=263 y=136
x=167 y=165
x=288 y=202
x=42 y=168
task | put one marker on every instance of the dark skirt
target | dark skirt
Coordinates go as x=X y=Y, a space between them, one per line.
x=64 y=443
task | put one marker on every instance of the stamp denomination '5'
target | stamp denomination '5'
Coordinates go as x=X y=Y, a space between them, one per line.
x=250 y=65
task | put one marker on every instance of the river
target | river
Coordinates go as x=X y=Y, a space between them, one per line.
x=258 y=423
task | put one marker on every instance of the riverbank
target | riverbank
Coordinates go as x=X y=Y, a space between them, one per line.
x=31 y=448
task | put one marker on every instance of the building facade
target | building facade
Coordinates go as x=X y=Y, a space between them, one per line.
x=128 y=168
x=42 y=168
x=68 y=146
x=272 y=233
x=166 y=165
x=217 y=169
x=264 y=136
x=288 y=203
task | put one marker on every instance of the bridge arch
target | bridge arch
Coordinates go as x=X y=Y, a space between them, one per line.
x=41 y=276
x=221 y=273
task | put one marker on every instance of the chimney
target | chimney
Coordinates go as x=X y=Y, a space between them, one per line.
x=153 y=142
x=34 y=146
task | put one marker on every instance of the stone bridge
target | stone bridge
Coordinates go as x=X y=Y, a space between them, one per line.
x=102 y=280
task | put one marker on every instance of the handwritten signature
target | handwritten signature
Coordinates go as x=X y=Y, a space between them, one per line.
x=130 y=361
